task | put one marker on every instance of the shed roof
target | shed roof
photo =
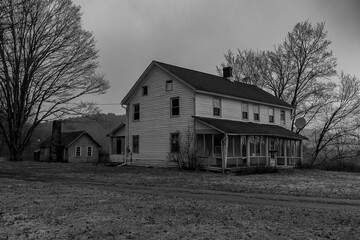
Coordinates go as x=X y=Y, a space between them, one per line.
x=69 y=138
x=249 y=128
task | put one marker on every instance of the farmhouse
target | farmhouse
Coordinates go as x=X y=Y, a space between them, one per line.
x=234 y=124
x=76 y=146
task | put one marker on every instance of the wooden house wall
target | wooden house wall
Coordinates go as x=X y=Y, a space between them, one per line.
x=156 y=123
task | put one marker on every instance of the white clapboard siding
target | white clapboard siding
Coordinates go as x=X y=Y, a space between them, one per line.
x=231 y=110
x=156 y=124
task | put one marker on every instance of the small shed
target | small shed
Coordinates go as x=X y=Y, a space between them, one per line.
x=77 y=146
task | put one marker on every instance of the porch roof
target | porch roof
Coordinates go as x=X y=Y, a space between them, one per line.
x=248 y=128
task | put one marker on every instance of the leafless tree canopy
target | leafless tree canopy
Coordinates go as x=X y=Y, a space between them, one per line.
x=46 y=61
x=292 y=70
x=299 y=71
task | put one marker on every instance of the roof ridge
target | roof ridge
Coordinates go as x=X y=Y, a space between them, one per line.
x=188 y=69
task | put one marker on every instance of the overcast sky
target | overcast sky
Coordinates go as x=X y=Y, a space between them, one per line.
x=196 y=33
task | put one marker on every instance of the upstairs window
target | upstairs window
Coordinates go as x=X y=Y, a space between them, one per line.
x=282 y=117
x=169 y=85
x=175 y=142
x=175 y=106
x=256 y=109
x=77 y=151
x=145 y=90
x=89 y=151
x=244 y=111
x=136 y=116
x=216 y=106
x=135 y=143
x=271 y=115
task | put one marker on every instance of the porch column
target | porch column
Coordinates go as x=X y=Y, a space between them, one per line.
x=267 y=151
x=225 y=153
x=285 y=153
x=248 y=151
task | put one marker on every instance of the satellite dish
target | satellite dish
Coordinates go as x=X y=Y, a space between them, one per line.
x=300 y=123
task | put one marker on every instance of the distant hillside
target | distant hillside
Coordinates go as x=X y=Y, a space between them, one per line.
x=97 y=126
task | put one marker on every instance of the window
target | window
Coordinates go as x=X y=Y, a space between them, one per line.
x=175 y=144
x=175 y=106
x=169 y=85
x=136 y=112
x=244 y=110
x=89 y=151
x=216 y=106
x=282 y=117
x=118 y=146
x=271 y=115
x=135 y=143
x=77 y=151
x=145 y=90
x=256 y=109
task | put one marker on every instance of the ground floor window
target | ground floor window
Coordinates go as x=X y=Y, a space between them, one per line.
x=77 y=151
x=89 y=151
x=175 y=142
x=118 y=145
x=136 y=144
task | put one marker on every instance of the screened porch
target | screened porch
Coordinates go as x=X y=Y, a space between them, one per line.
x=225 y=144
x=235 y=151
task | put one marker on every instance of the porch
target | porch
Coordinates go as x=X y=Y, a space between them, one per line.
x=228 y=145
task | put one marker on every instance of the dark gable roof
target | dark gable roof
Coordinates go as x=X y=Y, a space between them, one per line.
x=68 y=138
x=219 y=85
x=249 y=128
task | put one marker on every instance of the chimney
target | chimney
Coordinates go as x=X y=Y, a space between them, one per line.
x=56 y=143
x=227 y=73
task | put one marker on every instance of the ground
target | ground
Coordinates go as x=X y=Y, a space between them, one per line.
x=86 y=201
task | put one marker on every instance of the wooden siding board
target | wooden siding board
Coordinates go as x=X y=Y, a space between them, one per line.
x=84 y=141
x=231 y=110
x=156 y=124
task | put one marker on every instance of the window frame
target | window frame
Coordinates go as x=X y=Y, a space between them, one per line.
x=91 y=151
x=136 y=113
x=175 y=136
x=256 y=113
x=172 y=107
x=282 y=116
x=76 y=151
x=245 y=114
x=136 y=147
x=169 y=85
x=216 y=110
x=144 y=90
x=271 y=115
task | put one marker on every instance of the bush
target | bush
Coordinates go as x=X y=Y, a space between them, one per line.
x=256 y=170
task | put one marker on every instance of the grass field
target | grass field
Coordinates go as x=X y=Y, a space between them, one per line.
x=47 y=210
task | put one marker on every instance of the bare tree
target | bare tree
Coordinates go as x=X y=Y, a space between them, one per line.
x=46 y=61
x=308 y=49
x=338 y=120
x=245 y=66
x=294 y=71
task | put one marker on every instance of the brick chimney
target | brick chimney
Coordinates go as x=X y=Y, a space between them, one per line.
x=56 y=147
x=227 y=73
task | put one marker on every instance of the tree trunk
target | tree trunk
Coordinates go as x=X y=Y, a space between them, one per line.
x=16 y=152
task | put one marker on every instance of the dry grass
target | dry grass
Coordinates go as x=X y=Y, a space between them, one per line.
x=298 y=182
x=45 y=210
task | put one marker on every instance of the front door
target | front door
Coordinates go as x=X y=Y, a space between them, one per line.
x=272 y=152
